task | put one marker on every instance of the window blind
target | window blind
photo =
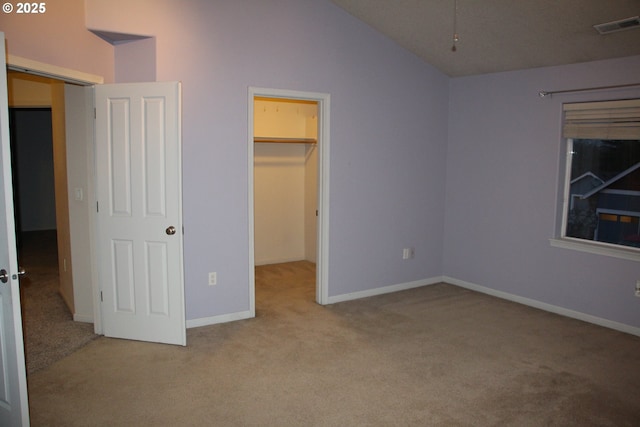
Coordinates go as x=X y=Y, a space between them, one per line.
x=602 y=120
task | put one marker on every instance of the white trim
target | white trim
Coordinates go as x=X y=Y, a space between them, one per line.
x=92 y=198
x=385 y=290
x=214 y=320
x=598 y=248
x=29 y=66
x=194 y=323
x=566 y=194
x=84 y=318
x=546 y=307
x=250 y=204
x=278 y=261
x=324 y=101
x=324 y=138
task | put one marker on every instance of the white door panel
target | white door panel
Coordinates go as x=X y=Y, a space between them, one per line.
x=14 y=409
x=138 y=169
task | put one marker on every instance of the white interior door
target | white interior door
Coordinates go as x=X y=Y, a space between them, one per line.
x=14 y=409
x=139 y=193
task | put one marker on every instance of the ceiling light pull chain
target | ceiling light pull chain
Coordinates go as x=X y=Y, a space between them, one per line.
x=456 y=38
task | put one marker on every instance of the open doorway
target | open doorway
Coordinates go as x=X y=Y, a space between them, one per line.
x=33 y=170
x=285 y=199
x=39 y=164
x=285 y=180
x=288 y=184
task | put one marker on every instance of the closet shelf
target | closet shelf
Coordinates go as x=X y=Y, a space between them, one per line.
x=259 y=139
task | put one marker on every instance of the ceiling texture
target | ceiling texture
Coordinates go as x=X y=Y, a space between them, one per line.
x=501 y=35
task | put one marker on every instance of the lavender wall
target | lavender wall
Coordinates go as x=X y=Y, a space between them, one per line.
x=502 y=190
x=388 y=135
x=58 y=37
x=396 y=123
x=135 y=61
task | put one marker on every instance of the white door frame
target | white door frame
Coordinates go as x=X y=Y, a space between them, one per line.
x=68 y=75
x=323 y=99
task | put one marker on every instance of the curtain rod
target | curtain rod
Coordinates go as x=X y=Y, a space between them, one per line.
x=545 y=93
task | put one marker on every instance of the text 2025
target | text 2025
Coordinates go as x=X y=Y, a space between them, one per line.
x=31 y=7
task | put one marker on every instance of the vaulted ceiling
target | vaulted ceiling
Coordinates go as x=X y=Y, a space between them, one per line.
x=501 y=35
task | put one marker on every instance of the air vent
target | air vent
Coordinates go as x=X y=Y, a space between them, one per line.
x=621 y=25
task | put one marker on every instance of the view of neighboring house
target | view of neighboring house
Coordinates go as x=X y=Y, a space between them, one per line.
x=606 y=211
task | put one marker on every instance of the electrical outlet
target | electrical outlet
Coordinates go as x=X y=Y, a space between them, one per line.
x=407 y=253
x=213 y=278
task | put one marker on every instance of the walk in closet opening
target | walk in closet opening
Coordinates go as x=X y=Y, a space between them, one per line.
x=285 y=180
x=288 y=148
x=285 y=197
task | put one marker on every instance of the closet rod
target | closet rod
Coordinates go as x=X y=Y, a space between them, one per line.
x=258 y=139
x=545 y=93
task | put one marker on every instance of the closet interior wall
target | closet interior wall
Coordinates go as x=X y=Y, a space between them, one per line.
x=285 y=180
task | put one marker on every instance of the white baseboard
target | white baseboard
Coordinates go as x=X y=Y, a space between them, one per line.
x=242 y=315
x=544 y=306
x=277 y=261
x=194 y=323
x=84 y=318
x=384 y=290
x=206 y=321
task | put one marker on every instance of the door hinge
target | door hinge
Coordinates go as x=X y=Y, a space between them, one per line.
x=97 y=207
x=101 y=300
x=95 y=115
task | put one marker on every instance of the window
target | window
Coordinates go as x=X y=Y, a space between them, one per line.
x=604 y=191
x=602 y=188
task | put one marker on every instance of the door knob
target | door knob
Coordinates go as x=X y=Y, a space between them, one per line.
x=4 y=276
x=171 y=230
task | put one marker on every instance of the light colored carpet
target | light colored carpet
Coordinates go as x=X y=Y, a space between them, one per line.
x=434 y=356
x=49 y=330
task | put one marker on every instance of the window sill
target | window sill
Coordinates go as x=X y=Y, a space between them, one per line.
x=598 y=248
